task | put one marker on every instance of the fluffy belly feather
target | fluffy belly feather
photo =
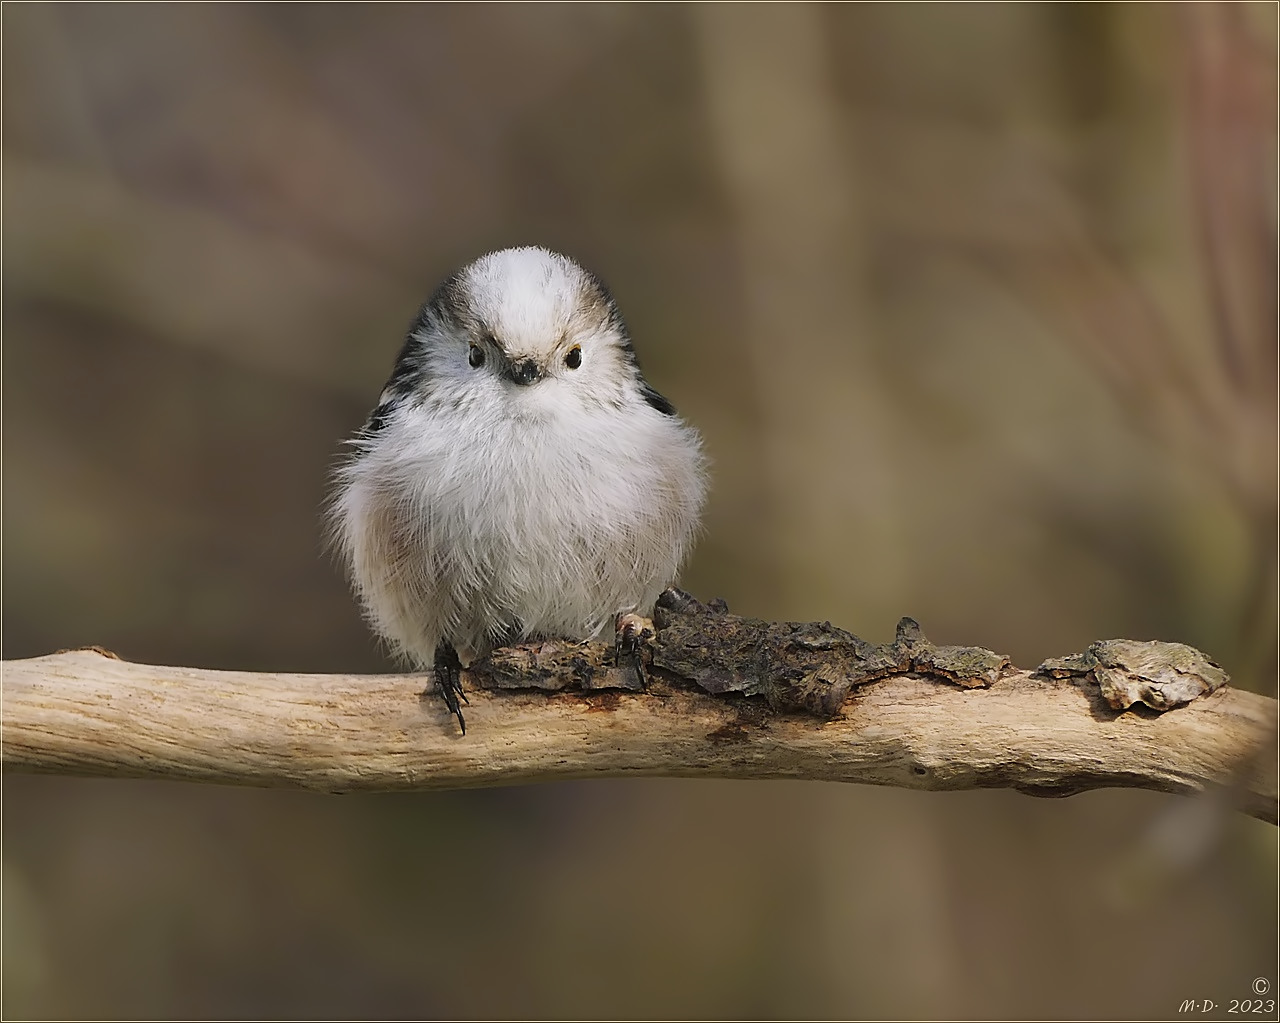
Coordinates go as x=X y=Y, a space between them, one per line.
x=476 y=548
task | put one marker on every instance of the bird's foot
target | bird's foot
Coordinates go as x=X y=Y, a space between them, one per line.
x=632 y=632
x=448 y=676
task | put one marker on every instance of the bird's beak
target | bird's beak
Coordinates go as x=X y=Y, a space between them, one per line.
x=523 y=371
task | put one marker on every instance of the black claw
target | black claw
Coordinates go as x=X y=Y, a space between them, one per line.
x=627 y=643
x=637 y=662
x=448 y=676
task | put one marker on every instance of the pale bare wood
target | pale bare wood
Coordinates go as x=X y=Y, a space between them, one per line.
x=87 y=713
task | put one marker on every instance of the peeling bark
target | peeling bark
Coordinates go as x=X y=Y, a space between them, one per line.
x=711 y=694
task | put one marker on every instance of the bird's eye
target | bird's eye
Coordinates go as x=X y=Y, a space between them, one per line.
x=573 y=358
x=476 y=356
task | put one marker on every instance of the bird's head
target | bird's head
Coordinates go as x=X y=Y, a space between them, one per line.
x=527 y=327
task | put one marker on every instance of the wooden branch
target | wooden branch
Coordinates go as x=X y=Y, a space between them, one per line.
x=722 y=697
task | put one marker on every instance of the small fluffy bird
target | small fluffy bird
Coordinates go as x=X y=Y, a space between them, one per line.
x=518 y=479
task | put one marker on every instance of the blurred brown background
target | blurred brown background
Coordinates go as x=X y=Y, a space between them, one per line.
x=975 y=307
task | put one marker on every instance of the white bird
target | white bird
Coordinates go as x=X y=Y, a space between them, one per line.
x=518 y=479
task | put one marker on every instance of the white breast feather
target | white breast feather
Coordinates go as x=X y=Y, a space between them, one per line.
x=460 y=525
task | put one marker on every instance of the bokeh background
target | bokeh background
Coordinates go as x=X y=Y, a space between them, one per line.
x=976 y=309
